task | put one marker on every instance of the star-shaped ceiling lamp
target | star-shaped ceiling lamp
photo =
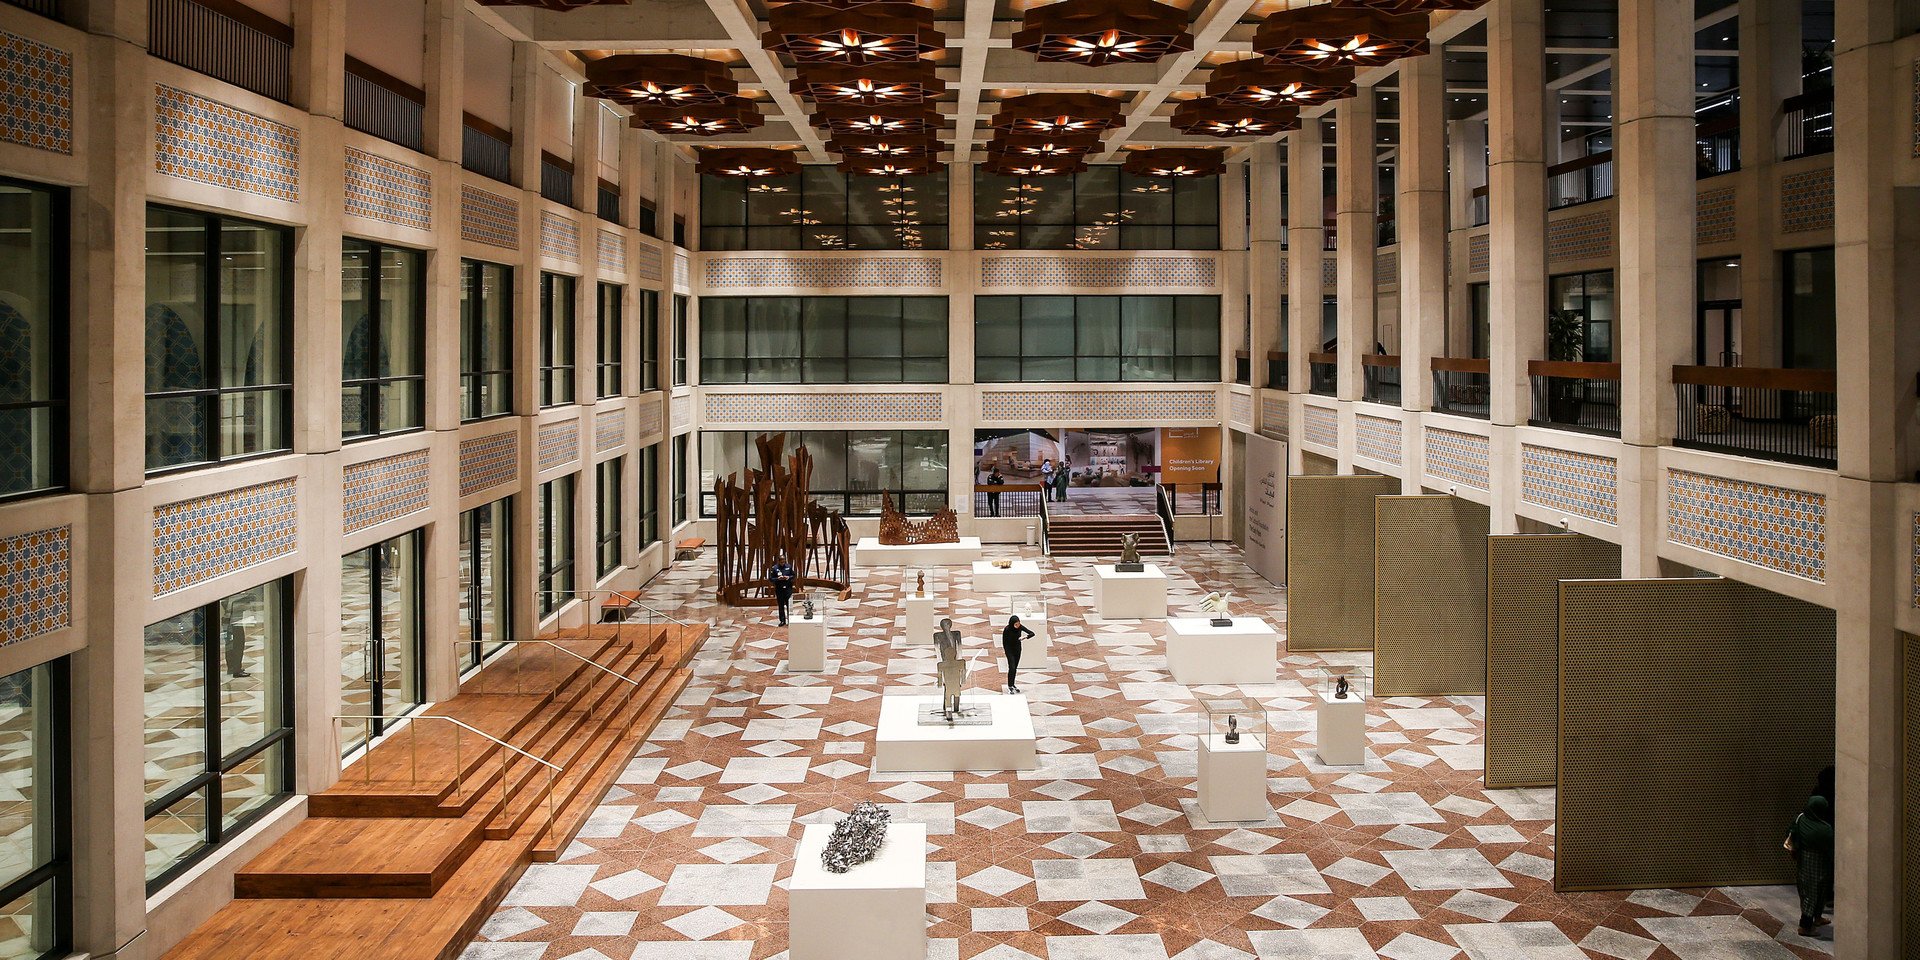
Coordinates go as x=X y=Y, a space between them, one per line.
x=854 y=146
x=1057 y=114
x=1099 y=32
x=889 y=120
x=1209 y=117
x=747 y=162
x=1029 y=147
x=1028 y=167
x=870 y=85
x=870 y=33
x=698 y=120
x=659 y=80
x=890 y=168
x=560 y=6
x=1174 y=162
x=1327 y=36
x=1260 y=84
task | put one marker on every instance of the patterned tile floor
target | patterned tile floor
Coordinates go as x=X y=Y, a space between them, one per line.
x=1101 y=852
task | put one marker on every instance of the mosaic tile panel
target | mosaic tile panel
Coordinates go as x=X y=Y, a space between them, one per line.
x=611 y=251
x=1806 y=201
x=1581 y=484
x=1286 y=265
x=1713 y=216
x=205 y=537
x=489 y=218
x=1240 y=407
x=823 y=407
x=1779 y=528
x=380 y=490
x=195 y=138
x=1321 y=426
x=649 y=263
x=649 y=419
x=559 y=237
x=682 y=413
x=488 y=462
x=609 y=429
x=1386 y=270
x=36 y=583
x=682 y=271
x=1479 y=253
x=1916 y=560
x=1377 y=438
x=1097 y=272
x=1080 y=405
x=824 y=272
x=1459 y=457
x=388 y=191
x=1329 y=272
x=558 y=444
x=1273 y=416
x=36 y=94
x=1588 y=237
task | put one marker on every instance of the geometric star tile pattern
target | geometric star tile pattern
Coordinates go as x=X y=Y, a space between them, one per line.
x=195 y=138
x=36 y=85
x=36 y=586
x=204 y=537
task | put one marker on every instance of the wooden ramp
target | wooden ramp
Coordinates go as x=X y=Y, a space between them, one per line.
x=409 y=853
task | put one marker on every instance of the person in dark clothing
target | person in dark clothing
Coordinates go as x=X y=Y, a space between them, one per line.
x=994 y=479
x=781 y=575
x=1010 y=644
x=234 y=650
x=1811 y=838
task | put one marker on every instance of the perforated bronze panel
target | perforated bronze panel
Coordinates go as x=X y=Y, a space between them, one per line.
x=1523 y=634
x=1429 y=597
x=1330 y=560
x=1694 y=716
x=1315 y=465
x=1910 y=795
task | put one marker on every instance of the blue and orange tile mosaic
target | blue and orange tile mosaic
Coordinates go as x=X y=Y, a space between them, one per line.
x=1479 y=253
x=381 y=490
x=1320 y=425
x=36 y=94
x=36 y=583
x=648 y=423
x=609 y=430
x=823 y=407
x=1806 y=201
x=1075 y=406
x=558 y=444
x=488 y=461
x=205 y=537
x=1581 y=484
x=1459 y=457
x=1240 y=408
x=1097 y=272
x=1273 y=416
x=1377 y=438
x=1588 y=237
x=1769 y=526
x=649 y=263
x=682 y=413
x=610 y=250
x=824 y=272
x=388 y=191
x=1714 y=220
x=198 y=139
x=559 y=237
x=489 y=218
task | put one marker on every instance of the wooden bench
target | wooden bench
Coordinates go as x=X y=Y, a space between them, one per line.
x=614 y=608
x=689 y=548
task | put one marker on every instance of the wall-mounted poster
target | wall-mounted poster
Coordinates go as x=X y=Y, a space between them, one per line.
x=1266 y=507
x=1102 y=457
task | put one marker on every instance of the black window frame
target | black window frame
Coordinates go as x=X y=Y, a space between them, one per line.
x=60 y=350
x=609 y=532
x=1790 y=319
x=728 y=219
x=554 y=579
x=722 y=363
x=1206 y=359
x=503 y=543
x=1587 y=323
x=57 y=872
x=681 y=308
x=559 y=342
x=678 y=466
x=371 y=388
x=850 y=497
x=610 y=344
x=647 y=477
x=376 y=620
x=476 y=373
x=648 y=359
x=1014 y=224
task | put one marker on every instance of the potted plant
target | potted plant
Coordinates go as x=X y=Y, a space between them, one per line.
x=1566 y=343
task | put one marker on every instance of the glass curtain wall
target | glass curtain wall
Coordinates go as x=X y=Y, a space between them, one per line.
x=1096 y=339
x=823 y=339
x=851 y=468
x=1103 y=208
x=556 y=340
x=485 y=614
x=1808 y=310
x=821 y=208
x=36 y=884
x=486 y=340
x=553 y=543
x=382 y=666
x=383 y=326
x=606 y=516
x=1587 y=300
x=33 y=338
x=649 y=345
x=678 y=464
x=679 y=341
x=609 y=358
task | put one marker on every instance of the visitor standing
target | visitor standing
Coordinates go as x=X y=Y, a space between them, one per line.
x=1046 y=478
x=1811 y=840
x=1010 y=645
x=781 y=575
x=1063 y=476
x=994 y=479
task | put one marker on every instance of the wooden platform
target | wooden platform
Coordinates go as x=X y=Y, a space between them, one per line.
x=408 y=854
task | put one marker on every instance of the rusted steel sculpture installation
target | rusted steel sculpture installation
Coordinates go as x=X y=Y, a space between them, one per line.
x=771 y=515
x=897 y=530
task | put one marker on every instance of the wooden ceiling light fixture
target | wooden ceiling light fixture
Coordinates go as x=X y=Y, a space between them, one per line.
x=1175 y=162
x=854 y=146
x=880 y=32
x=868 y=85
x=886 y=120
x=890 y=168
x=1058 y=114
x=1099 y=32
x=1326 y=35
x=1260 y=84
x=660 y=80
x=1209 y=117
x=1412 y=6
x=699 y=120
x=747 y=162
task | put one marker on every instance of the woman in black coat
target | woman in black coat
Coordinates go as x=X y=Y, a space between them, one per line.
x=1010 y=643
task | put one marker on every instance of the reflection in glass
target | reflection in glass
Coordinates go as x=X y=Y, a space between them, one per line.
x=380 y=636
x=486 y=339
x=823 y=339
x=850 y=467
x=483 y=580
x=33 y=338
x=553 y=543
x=382 y=325
x=1102 y=208
x=821 y=208
x=556 y=339
x=32 y=817
x=1096 y=338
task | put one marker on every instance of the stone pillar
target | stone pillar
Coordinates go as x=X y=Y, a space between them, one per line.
x=524 y=111
x=1421 y=215
x=1517 y=268
x=1235 y=329
x=446 y=46
x=586 y=158
x=1356 y=206
x=1769 y=72
x=1306 y=201
x=319 y=59
x=1266 y=248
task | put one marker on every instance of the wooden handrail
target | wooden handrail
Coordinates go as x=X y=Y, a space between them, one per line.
x=1323 y=358
x=1459 y=365
x=1757 y=378
x=556 y=161
x=1277 y=355
x=384 y=80
x=487 y=127
x=1241 y=355
x=1580 y=163
x=1379 y=360
x=1573 y=370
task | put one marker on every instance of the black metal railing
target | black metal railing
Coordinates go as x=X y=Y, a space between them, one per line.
x=861 y=503
x=1163 y=506
x=1006 y=500
x=1382 y=378
x=373 y=106
x=1323 y=373
x=556 y=179
x=1580 y=180
x=46 y=8
x=485 y=152
x=1716 y=138
x=232 y=44
x=1276 y=370
x=1460 y=386
x=1760 y=412
x=1806 y=124
x=607 y=202
x=1576 y=396
x=1206 y=496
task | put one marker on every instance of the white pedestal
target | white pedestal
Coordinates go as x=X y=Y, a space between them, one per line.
x=875 y=911
x=902 y=745
x=1034 y=652
x=923 y=619
x=1233 y=779
x=1129 y=596
x=807 y=644
x=1340 y=730
x=1022 y=577
x=1198 y=652
x=870 y=552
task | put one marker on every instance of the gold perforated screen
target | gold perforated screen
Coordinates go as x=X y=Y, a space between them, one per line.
x=1523 y=634
x=1429 y=597
x=1910 y=794
x=1694 y=716
x=1330 y=560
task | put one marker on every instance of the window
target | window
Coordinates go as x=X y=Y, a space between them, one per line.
x=219 y=731
x=382 y=670
x=556 y=339
x=383 y=325
x=821 y=208
x=485 y=619
x=823 y=339
x=649 y=218
x=649 y=302
x=608 y=344
x=36 y=884
x=1103 y=208
x=1807 y=314
x=1586 y=298
x=606 y=515
x=679 y=468
x=219 y=339
x=850 y=467
x=553 y=536
x=486 y=340
x=649 y=473
x=33 y=338
x=1096 y=339
x=1480 y=295
x=679 y=341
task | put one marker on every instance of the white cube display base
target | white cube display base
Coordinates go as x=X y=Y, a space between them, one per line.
x=1199 y=652
x=870 y=552
x=875 y=911
x=902 y=745
x=1034 y=652
x=1340 y=730
x=1129 y=596
x=1022 y=577
x=1233 y=779
x=807 y=643
x=923 y=619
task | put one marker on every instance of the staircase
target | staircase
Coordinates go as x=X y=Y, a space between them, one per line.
x=1098 y=535
x=406 y=856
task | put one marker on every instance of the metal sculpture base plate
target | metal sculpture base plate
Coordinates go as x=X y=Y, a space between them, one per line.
x=1129 y=568
x=1220 y=622
x=970 y=715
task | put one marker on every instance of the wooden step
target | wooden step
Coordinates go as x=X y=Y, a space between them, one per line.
x=332 y=858
x=587 y=780
x=573 y=733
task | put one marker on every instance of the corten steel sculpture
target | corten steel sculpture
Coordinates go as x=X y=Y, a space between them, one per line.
x=897 y=530
x=771 y=515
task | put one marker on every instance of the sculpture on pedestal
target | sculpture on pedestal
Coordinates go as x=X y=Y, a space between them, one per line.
x=897 y=530
x=1233 y=730
x=1216 y=604
x=951 y=670
x=856 y=839
x=806 y=607
x=1129 y=555
x=770 y=514
x=919 y=583
x=1340 y=687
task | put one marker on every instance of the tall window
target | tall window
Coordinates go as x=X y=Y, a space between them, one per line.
x=649 y=354
x=1103 y=208
x=679 y=467
x=553 y=536
x=647 y=466
x=486 y=340
x=556 y=339
x=485 y=617
x=219 y=732
x=608 y=345
x=219 y=339
x=36 y=885
x=33 y=338
x=381 y=664
x=821 y=208
x=679 y=341
x=823 y=339
x=1807 y=316
x=1096 y=339
x=383 y=327
x=606 y=514
x=1586 y=301
x=850 y=467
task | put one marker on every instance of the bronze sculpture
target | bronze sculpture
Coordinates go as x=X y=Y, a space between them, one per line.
x=896 y=530
x=771 y=515
x=1129 y=555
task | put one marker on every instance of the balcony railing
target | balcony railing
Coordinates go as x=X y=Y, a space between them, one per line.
x=1580 y=180
x=1382 y=375
x=224 y=40
x=861 y=503
x=1242 y=367
x=1276 y=370
x=556 y=179
x=1460 y=386
x=385 y=107
x=607 y=202
x=1806 y=124
x=1199 y=498
x=45 y=8
x=1006 y=500
x=1576 y=396
x=1761 y=412
x=1717 y=141
x=486 y=149
x=1323 y=373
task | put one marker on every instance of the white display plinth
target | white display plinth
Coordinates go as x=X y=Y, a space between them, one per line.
x=807 y=643
x=902 y=745
x=875 y=911
x=1034 y=652
x=1233 y=779
x=1022 y=577
x=1129 y=596
x=923 y=619
x=1340 y=730
x=1199 y=652
x=870 y=552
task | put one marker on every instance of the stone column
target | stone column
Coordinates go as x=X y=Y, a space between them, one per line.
x=1422 y=221
x=1306 y=199
x=1769 y=68
x=1356 y=206
x=1266 y=248
x=446 y=46
x=1235 y=331
x=1517 y=268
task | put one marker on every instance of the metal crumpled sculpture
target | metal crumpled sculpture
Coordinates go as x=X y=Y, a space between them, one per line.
x=857 y=838
x=896 y=530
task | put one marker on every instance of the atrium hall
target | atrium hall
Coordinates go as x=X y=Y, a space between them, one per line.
x=959 y=479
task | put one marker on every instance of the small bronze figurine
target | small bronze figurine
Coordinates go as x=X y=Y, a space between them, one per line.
x=1233 y=729
x=1340 y=687
x=1129 y=555
x=920 y=582
x=806 y=607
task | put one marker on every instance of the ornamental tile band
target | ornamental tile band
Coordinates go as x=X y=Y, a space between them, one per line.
x=36 y=583
x=611 y=251
x=1329 y=271
x=1479 y=253
x=559 y=237
x=1097 y=272
x=1459 y=457
x=1580 y=238
x=1273 y=416
x=198 y=139
x=205 y=537
x=1715 y=222
x=824 y=272
x=1916 y=560
x=1806 y=201
x=1083 y=405
x=488 y=462
x=1582 y=484
x=648 y=426
x=381 y=490
x=1386 y=270
x=1240 y=408
x=1779 y=528
x=559 y=444
x=1377 y=438
x=823 y=407
x=1321 y=426
x=682 y=413
x=682 y=271
x=609 y=430
x=489 y=218
x=648 y=262
x=388 y=191
x=36 y=94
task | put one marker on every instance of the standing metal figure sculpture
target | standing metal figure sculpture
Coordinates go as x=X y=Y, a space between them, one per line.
x=951 y=670
x=771 y=515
